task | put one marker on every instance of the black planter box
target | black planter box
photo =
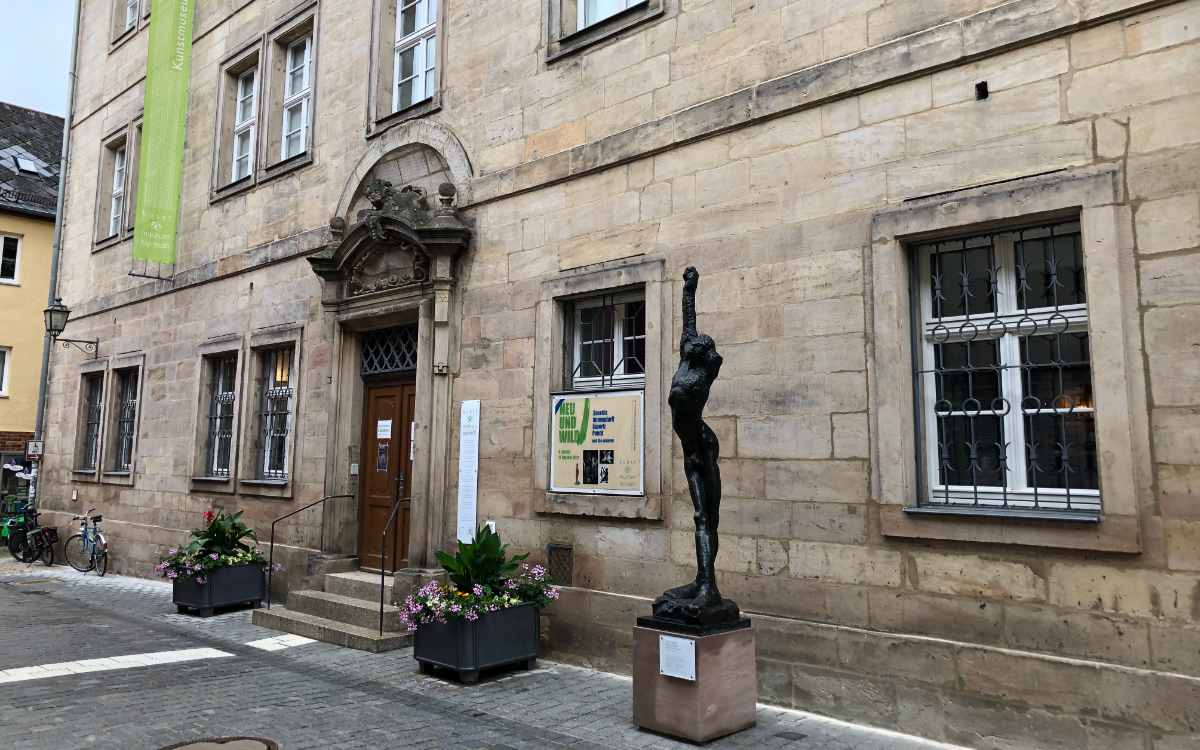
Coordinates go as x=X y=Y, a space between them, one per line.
x=496 y=639
x=236 y=584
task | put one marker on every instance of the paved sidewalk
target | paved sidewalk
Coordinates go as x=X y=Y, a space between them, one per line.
x=301 y=695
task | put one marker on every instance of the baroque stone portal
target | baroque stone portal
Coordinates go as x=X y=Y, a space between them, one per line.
x=698 y=606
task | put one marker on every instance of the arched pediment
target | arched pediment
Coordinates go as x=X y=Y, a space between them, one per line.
x=401 y=241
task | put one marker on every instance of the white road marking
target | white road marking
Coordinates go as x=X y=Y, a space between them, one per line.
x=280 y=642
x=129 y=661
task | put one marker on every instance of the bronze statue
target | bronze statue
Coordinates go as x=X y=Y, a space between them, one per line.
x=698 y=605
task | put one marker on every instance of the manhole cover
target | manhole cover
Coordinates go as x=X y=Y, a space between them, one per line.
x=226 y=743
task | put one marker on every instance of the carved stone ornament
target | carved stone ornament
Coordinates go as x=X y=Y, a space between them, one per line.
x=394 y=243
x=380 y=271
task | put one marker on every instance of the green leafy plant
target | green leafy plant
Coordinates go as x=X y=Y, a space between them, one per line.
x=224 y=541
x=483 y=561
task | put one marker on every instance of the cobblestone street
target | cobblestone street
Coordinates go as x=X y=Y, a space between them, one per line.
x=302 y=696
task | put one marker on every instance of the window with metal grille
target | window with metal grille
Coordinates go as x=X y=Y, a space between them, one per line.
x=609 y=342
x=389 y=350
x=89 y=441
x=126 y=407
x=221 y=400
x=1003 y=373
x=275 y=414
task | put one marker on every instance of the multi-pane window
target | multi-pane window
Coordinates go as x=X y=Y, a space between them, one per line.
x=275 y=412
x=221 y=402
x=89 y=440
x=131 y=13
x=297 y=97
x=126 y=419
x=244 y=121
x=117 y=195
x=10 y=254
x=1008 y=418
x=609 y=341
x=594 y=11
x=415 y=61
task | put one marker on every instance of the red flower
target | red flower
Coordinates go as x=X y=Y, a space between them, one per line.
x=209 y=516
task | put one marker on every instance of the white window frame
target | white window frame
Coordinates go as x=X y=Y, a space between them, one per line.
x=16 y=277
x=131 y=14
x=244 y=127
x=5 y=367
x=582 y=18
x=293 y=98
x=420 y=41
x=1017 y=495
x=116 y=200
x=618 y=379
x=126 y=394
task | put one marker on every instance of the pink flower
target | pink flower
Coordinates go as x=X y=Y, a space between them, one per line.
x=209 y=516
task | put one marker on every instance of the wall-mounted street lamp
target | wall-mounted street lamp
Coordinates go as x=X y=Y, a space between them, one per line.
x=56 y=320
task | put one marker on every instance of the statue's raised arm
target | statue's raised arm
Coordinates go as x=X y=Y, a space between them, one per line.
x=691 y=280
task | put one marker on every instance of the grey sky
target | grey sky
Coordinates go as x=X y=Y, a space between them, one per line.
x=35 y=55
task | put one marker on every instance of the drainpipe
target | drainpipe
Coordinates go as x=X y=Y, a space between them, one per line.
x=56 y=244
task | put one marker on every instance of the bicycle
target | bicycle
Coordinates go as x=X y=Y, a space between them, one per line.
x=87 y=550
x=29 y=542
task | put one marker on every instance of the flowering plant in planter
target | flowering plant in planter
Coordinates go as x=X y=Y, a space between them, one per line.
x=485 y=617
x=225 y=541
x=442 y=603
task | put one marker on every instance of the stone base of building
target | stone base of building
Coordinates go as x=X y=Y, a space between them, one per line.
x=976 y=695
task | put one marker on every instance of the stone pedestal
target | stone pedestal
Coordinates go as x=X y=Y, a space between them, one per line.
x=719 y=702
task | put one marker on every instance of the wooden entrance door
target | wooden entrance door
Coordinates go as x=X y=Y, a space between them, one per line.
x=385 y=473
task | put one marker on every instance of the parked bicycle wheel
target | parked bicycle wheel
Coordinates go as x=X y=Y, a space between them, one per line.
x=100 y=555
x=76 y=555
x=16 y=542
x=47 y=555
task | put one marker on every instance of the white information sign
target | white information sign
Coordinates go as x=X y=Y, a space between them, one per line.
x=383 y=429
x=677 y=657
x=468 y=469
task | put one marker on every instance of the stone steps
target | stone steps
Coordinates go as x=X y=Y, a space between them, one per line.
x=357 y=583
x=330 y=631
x=346 y=613
x=361 y=612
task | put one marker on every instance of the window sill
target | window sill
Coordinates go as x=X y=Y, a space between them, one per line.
x=10 y=282
x=117 y=473
x=600 y=506
x=210 y=479
x=84 y=475
x=571 y=43
x=230 y=189
x=280 y=168
x=265 y=482
x=399 y=117
x=120 y=40
x=106 y=242
x=1101 y=533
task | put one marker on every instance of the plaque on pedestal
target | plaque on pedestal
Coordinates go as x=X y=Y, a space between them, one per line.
x=694 y=687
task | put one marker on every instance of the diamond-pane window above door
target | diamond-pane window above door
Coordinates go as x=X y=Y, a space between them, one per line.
x=389 y=350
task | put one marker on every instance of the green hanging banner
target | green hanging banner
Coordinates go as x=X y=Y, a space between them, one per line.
x=160 y=163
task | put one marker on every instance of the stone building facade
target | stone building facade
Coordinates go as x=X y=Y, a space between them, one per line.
x=948 y=250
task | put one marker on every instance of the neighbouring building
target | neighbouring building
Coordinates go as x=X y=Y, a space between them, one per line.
x=30 y=150
x=949 y=250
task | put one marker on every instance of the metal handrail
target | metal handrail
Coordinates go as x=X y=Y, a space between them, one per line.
x=383 y=555
x=271 y=556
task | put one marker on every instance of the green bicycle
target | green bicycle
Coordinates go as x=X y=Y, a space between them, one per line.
x=87 y=550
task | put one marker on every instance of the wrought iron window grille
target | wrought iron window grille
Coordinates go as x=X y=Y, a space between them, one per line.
x=89 y=452
x=126 y=419
x=609 y=342
x=1002 y=373
x=222 y=400
x=389 y=350
x=560 y=564
x=275 y=417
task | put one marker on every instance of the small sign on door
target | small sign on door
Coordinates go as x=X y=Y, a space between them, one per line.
x=677 y=657
x=383 y=429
